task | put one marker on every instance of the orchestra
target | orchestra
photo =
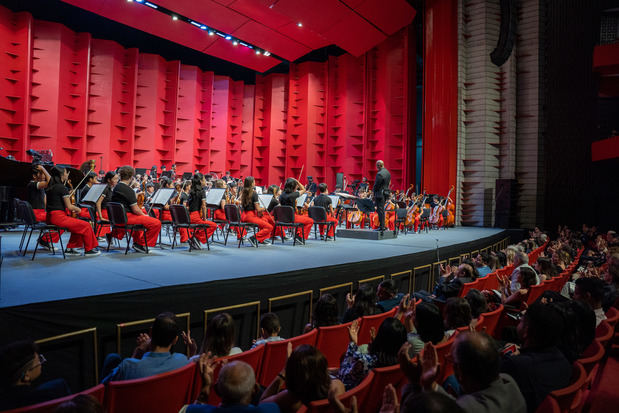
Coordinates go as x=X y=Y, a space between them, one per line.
x=361 y=205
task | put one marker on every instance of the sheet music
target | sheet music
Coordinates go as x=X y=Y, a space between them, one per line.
x=259 y=190
x=334 y=200
x=214 y=196
x=162 y=196
x=265 y=200
x=301 y=200
x=94 y=193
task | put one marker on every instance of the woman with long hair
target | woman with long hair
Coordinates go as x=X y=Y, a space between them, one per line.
x=110 y=179
x=219 y=338
x=292 y=190
x=251 y=209
x=58 y=202
x=197 y=211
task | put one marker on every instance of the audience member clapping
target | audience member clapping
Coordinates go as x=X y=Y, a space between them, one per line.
x=424 y=324
x=219 y=338
x=325 y=313
x=456 y=314
x=361 y=304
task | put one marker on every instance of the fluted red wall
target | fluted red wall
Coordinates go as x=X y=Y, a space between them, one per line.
x=86 y=98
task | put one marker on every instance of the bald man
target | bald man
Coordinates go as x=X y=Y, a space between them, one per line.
x=381 y=192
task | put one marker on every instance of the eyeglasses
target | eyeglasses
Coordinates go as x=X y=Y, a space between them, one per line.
x=42 y=361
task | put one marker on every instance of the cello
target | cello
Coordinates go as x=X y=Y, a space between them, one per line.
x=436 y=211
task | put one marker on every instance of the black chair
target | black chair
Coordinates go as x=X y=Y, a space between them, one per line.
x=159 y=216
x=181 y=219
x=400 y=219
x=284 y=218
x=96 y=222
x=424 y=217
x=319 y=215
x=118 y=220
x=234 y=221
x=445 y=215
x=31 y=223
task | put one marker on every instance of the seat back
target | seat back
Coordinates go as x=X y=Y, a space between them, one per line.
x=491 y=281
x=466 y=287
x=442 y=350
x=590 y=358
x=232 y=213
x=275 y=355
x=491 y=320
x=116 y=213
x=166 y=392
x=284 y=214
x=612 y=316
x=603 y=333
x=180 y=215
x=535 y=291
x=382 y=377
x=49 y=406
x=400 y=213
x=360 y=392
x=27 y=213
x=571 y=398
x=369 y=321
x=549 y=405
x=317 y=213
x=332 y=341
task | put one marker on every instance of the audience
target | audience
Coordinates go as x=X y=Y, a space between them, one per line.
x=611 y=278
x=525 y=280
x=521 y=260
x=362 y=304
x=477 y=302
x=21 y=365
x=456 y=314
x=387 y=295
x=269 y=329
x=219 y=337
x=325 y=313
x=590 y=290
x=449 y=283
x=424 y=324
x=545 y=269
x=579 y=327
x=482 y=262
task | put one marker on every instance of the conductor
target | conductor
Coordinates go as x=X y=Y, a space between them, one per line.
x=381 y=192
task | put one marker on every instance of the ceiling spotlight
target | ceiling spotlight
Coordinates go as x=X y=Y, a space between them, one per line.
x=300 y=24
x=258 y=52
x=203 y=27
x=235 y=43
x=267 y=53
x=130 y=1
x=174 y=17
x=228 y=37
x=210 y=32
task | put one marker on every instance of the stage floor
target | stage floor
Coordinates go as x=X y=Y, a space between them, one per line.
x=50 y=278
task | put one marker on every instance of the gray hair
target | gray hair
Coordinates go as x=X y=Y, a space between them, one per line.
x=523 y=258
x=380 y=163
x=236 y=382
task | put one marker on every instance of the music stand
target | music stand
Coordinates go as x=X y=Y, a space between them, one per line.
x=214 y=196
x=162 y=196
x=265 y=200
x=94 y=193
x=140 y=171
x=334 y=200
x=301 y=200
x=186 y=176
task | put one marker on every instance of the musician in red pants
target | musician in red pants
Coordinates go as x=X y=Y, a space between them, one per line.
x=197 y=211
x=292 y=190
x=58 y=202
x=110 y=180
x=124 y=195
x=36 y=196
x=251 y=210
x=323 y=200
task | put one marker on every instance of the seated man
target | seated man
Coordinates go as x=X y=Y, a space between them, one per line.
x=590 y=290
x=164 y=335
x=387 y=295
x=269 y=329
x=235 y=385
x=21 y=365
x=476 y=364
x=481 y=262
x=521 y=260
x=449 y=283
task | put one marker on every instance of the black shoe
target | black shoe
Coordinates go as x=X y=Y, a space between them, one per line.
x=299 y=239
x=253 y=241
x=45 y=245
x=322 y=237
x=195 y=244
x=92 y=253
x=139 y=248
x=71 y=251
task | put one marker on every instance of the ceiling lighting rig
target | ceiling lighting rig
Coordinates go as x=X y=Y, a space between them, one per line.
x=210 y=30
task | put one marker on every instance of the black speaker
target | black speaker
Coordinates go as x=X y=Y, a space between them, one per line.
x=507 y=33
x=339 y=180
x=506 y=203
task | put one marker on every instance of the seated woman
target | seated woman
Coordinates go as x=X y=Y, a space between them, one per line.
x=456 y=314
x=545 y=269
x=110 y=180
x=219 y=338
x=424 y=324
x=381 y=352
x=292 y=190
x=252 y=211
x=363 y=303
x=58 y=202
x=307 y=379
x=325 y=313
x=526 y=279
x=197 y=211
x=220 y=214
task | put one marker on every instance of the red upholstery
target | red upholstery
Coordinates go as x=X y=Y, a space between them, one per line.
x=491 y=281
x=49 y=406
x=571 y=398
x=360 y=391
x=469 y=286
x=612 y=316
x=536 y=292
x=166 y=392
x=591 y=358
x=442 y=350
x=370 y=321
x=382 y=377
x=603 y=333
x=332 y=341
x=603 y=397
x=491 y=320
x=274 y=358
x=549 y=405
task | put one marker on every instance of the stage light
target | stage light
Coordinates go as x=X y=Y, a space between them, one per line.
x=228 y=37
x=235 y=43
x=258 y=52
x=129 y=1
x=203 y=27
x=174 y=17
x=151 y=5
x=300 y=24
x=267 y=53
x=140 y=1
x=195 y=23
x=210 y=32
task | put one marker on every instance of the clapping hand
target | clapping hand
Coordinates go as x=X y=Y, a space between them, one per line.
x=190 y=343
x=143 y=342
x=353 y=331
x=390 y=400
x=430 y=368
x=350 y=300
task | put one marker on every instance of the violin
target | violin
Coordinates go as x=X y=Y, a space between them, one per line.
x=434 y=216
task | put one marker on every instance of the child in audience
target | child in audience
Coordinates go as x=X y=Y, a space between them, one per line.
x=219 y=337
x=269 y=329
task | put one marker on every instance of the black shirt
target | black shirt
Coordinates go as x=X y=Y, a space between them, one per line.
x=107 y=196
x=55 y=197
x=195 y=201
x=36 y=196
x=274 y=202
x=252 y=204
x=289 y=198
x=184 y=197
x=323 y=201
x=123 y=194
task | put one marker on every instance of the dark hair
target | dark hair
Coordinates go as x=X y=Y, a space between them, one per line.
x=527 y=277
x=477 y=302
x=502 y=258
x=307 y=376
x=82 y=403
x=485 y=257
x=322 y=188
x=476 y=357
x=125 y=172
x=365 y=301
x=109 y=176
x=325 y=311
x=248 y=192
x=544 y=324
x=196 y=186
x=219 y=335
x=272 y=189
x=457 y=313
x=430 y=402
x=471 y=263
x=389 y=286
x=165 y=330
x=429 y=323
x=269 y=322
x=56 y=176
x=546 y=267
x=91 y=175
x=579 y=332
x=592 y=285
x=290 y=185
x=14 y=360
x=389 y=338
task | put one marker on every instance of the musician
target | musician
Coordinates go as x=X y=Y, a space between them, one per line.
x=220 y=213
x=197 y=211
x=36 y=196
x=311 y=185
x=166 y=182
x=150 y=189
x=173 y=172
x=323 y=200
x=251 y=206
x=89 y=181
x=266 y=215
x=226 y=177
x=381 y=192
x=58 y=201
x=292 y=190
x=186 y=188
x=364 y=185
x=110 y=179
x=275 y=191
x=123 y=194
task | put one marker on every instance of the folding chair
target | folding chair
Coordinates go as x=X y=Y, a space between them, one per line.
x=234 y=221
x=181 y=219
x=31 y=223
x=319 y=215
x=284 y=218
x=118 y=221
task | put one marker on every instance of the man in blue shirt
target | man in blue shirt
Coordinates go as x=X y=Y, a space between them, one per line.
x=387 y=295
x=164 y=335
x=481 y=263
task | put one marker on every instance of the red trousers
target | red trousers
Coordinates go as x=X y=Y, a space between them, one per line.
x=103 y=229
x=220 y=215
x=200 y=235
x=82 y=234
x=331 y=232
x=307 y=222
x=389 y=218
x=41 y=216
x=277 y=232
x=266 y=229
x=153 y=227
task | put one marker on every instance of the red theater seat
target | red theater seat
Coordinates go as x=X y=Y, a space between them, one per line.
x=48 y=407
x=571 y=398
x=370 y=321
x=590 y=359
x=360 y=392
x=332 y=341
x=382 y=377
x=275 y=356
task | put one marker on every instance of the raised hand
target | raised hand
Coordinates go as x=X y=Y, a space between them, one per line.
x=350 y=300
x=143 y=342
x=410 y=367
x=390 y=400
x=353 y=331
x=190 y=343
x=430 y=368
